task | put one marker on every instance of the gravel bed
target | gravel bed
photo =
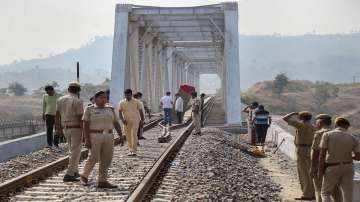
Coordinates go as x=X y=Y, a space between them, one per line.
x=214 y=169
x=22 y=164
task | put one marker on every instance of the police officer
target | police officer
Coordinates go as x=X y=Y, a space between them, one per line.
x=323 y=125
x=336 y=157
x=303 y=140
x=99 y=121
x=250 y=110
x=196 y=113
x=140 y=131
x=69 y=110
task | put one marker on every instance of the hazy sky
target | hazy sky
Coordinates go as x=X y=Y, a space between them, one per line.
x=37 y=28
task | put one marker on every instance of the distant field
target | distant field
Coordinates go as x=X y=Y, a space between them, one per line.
x=20 y=107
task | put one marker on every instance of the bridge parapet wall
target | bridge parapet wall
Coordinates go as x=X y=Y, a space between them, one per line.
x=276 y=134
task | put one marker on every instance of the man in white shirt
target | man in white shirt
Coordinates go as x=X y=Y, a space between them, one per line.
x=167 y=104
x=179 y=107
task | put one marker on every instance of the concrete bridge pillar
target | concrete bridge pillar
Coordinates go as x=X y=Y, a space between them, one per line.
x=231 y=55
x=119 y=53
x=169 y=69
x=133 y=57
x=197 y=81
x=158 y=84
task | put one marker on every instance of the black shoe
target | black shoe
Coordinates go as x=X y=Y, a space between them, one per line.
x=142 y=138
x=77 y=175
x=69 y=178
x=106 y=185
x=305 y=199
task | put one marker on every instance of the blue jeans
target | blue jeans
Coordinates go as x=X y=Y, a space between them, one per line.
x=167 y=115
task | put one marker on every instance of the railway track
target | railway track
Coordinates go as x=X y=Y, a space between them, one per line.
x=135 y=176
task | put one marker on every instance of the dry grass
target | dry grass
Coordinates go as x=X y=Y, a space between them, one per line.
x=19 y=107
x=298 y=96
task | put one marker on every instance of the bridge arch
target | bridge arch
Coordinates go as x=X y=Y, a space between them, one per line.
x=158 y=48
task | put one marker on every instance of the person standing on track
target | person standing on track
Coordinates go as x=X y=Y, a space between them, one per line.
x=196 y=113
x=303 y=140
x=336 y=161
x=250 y=110
x=69 y=111
x=261 y=121
x=167 y=104
x=141 y=125
x=99 y=122
x=202 y=97
x=323 y=125
x=179 y=107
x=131 y=114
x=49 y=112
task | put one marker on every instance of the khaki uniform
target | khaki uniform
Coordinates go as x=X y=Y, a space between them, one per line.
x=102 y=144
x=251 y=128
x=317 y=180
x=196 y=102
x=71 y=108
x=303 y=140
x=130 y=111
x=339 y=145
x=141 y=129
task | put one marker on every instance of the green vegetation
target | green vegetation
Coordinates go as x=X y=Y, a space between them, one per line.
x=323 y=92
x=280 y=82
x=17 y=89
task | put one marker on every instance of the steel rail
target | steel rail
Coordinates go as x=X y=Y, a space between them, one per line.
x=34 y=176
x=151 y=176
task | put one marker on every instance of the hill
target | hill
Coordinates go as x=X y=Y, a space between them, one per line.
x=306 y=57
x=301 y=95
x=94 y=58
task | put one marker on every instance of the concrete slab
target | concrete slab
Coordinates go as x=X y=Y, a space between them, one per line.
x=20 y=146
x=276 y=134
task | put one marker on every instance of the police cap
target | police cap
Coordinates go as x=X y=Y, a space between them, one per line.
x=305 y=115
x=323 y=116
x=74 y=84
x=342 y=121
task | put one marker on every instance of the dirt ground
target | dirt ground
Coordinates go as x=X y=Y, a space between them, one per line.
x=282 y=170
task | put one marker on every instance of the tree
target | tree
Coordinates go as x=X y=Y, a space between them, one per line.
x=323 y=91
x=17 y=89
x=281 y=80
x=3 y=91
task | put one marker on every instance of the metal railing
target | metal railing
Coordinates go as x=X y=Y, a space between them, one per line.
x=20 y=128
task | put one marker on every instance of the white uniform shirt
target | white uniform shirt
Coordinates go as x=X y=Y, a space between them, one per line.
x=166 y=101
x=179 y=105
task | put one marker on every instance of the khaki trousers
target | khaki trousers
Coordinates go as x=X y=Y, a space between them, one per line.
x=303 y=167
x=197 y=122
x=102 y=149
x=342 y=176
x=74 y=139
x=336 y=195
x=131 y=130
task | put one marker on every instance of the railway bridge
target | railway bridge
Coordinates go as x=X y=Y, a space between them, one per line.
x=156 y=49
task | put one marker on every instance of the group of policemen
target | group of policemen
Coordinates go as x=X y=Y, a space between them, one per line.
x=95 y=126
x=324 y=156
